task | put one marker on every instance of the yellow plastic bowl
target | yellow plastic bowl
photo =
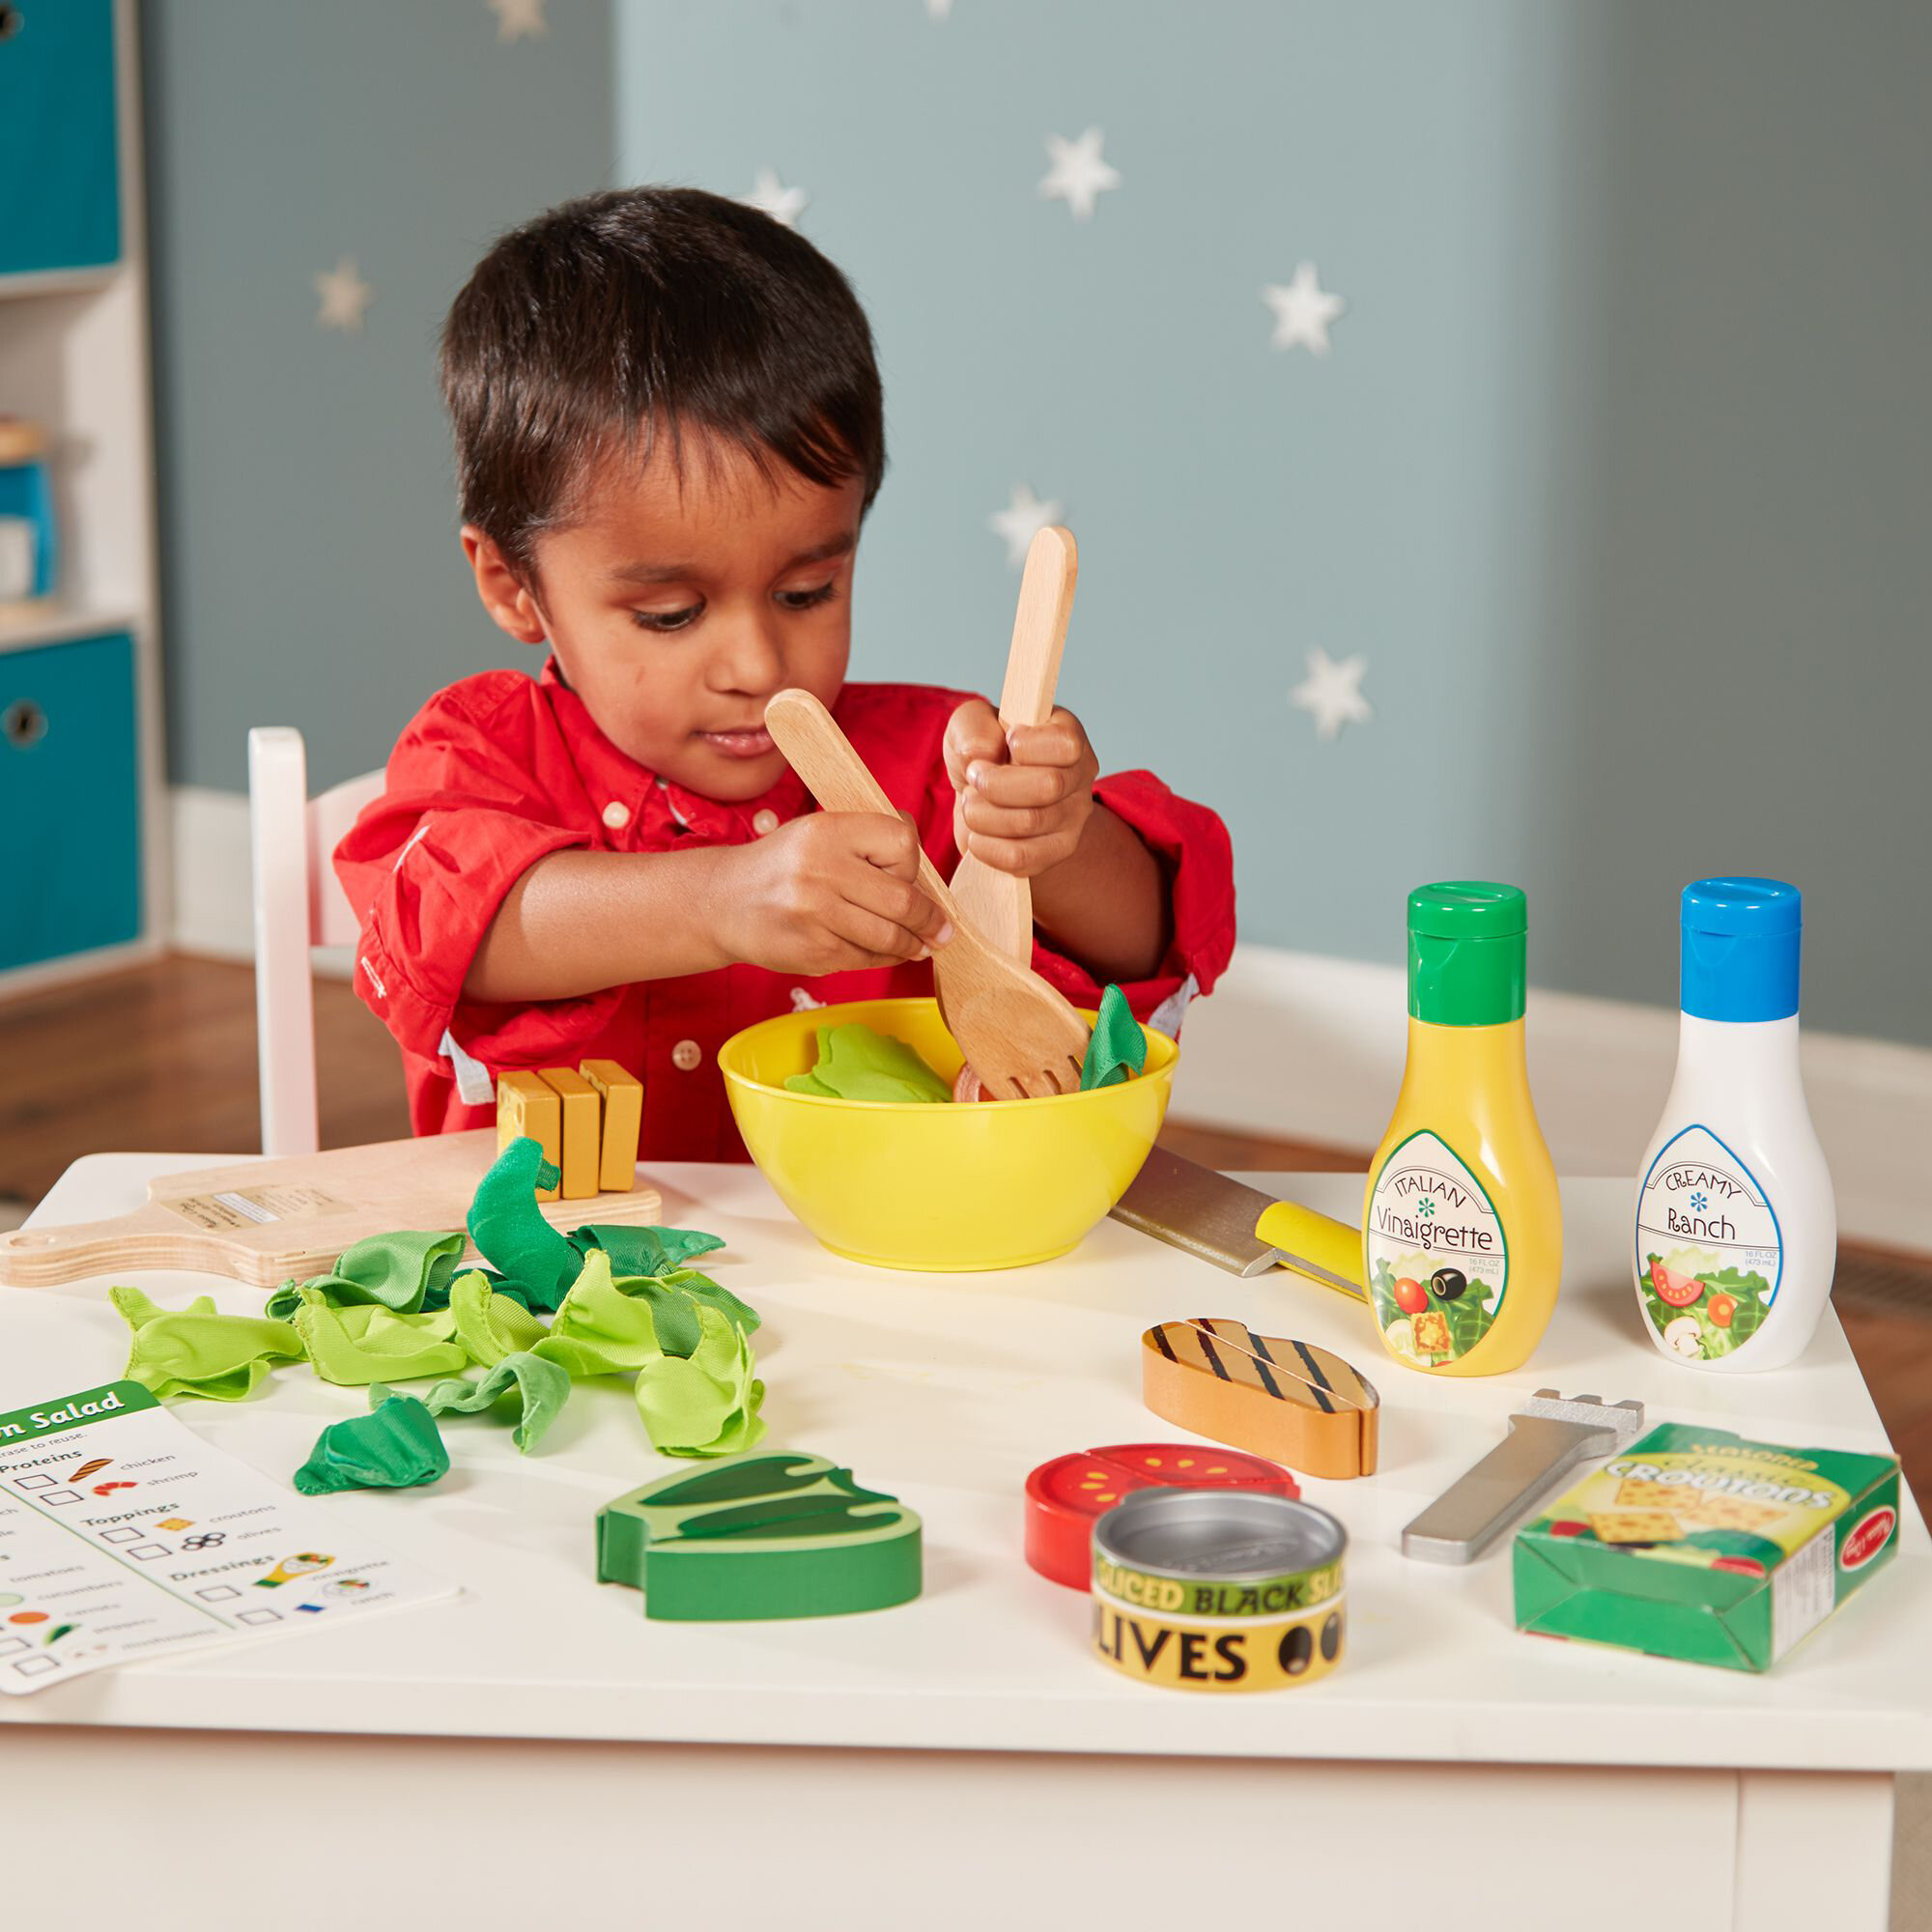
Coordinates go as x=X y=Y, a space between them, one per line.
x=994 y=1184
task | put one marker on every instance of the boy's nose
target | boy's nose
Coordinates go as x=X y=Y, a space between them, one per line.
x=749 y=659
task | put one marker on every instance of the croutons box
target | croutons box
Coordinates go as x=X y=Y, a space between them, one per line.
x=1699 y=1544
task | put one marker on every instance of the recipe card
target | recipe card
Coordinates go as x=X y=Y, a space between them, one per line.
x=124 y=1536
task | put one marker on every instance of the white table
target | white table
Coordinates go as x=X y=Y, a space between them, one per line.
x=964 y=1757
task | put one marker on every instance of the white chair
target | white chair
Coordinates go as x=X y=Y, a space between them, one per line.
x=298 y=905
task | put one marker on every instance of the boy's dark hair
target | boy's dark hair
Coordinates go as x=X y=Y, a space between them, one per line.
x=623 y=314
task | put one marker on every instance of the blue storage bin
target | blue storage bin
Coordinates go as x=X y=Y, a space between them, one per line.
x=69 y=799
x=58 y=136
x=27 y=497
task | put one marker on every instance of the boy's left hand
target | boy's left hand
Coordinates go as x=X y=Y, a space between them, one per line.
x=1020 y=809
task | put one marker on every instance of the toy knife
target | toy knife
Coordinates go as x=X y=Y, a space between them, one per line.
x=1238 y=1228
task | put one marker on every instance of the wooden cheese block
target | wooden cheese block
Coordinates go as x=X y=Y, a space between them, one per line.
x=1286 y=1400
x=582 y=1138
x=267 y=1221
x=530 y=1108
x=622 y=1096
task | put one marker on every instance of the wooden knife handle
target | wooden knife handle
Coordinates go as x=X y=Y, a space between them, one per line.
x=1039 y=627
x=837 y=775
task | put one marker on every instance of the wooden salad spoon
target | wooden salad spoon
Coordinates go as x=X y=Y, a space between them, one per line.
x=998 y=904
x=1021 y=1036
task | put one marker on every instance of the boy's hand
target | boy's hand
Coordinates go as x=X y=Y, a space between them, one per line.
x=1022 y=807
x=830 y=893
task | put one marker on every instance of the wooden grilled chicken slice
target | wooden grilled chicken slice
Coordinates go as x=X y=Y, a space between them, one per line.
x=1292 y=1401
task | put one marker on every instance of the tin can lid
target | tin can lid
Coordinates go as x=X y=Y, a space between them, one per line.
x=1233 y=1536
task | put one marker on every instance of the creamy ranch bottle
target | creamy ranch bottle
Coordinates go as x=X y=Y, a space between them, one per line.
x=1737 y=1234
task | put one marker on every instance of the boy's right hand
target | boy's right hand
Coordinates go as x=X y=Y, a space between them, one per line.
x=830 y=893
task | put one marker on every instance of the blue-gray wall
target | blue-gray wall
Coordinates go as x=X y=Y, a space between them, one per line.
x=310 y=573
x=1616 y=473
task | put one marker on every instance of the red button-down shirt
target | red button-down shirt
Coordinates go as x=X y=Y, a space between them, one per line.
x=502 y=770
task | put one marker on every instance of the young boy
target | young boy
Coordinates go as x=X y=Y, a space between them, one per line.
x=669 y=428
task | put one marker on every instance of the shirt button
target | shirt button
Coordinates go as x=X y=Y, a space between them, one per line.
x=616 y=816
x=765 y=821
x=686 y=1055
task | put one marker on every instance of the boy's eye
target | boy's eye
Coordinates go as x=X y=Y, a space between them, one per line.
x=804 y=600
x=667 y=620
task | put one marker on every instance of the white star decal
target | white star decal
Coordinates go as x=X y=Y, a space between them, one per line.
x=345 y=294
x=520 y=20
x=1078 y=175
x=770 y=195
x=1302 y=311
x=1333 y=693
x=1021 y=520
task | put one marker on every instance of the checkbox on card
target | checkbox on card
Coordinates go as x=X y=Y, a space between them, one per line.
x=33 y=1666
x=258 y=1617
x=120 y=1535
x=217 y=1592
x=36 y=1482
x=146 y=1553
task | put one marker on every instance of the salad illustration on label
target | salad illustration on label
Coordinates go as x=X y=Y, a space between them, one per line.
x=1709 y=1252
x=1438 y=1261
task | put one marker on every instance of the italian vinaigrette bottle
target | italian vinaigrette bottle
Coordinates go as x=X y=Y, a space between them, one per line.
x=1462 y=1229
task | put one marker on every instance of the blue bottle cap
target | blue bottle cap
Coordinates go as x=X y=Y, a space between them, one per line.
x=1740 y=946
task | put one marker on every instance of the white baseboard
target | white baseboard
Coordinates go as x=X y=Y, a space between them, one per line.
x=214 y=914
x=1312 y=1048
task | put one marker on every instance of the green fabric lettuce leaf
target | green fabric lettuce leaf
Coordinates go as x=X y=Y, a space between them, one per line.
x=367 y=1343
x=404 y=1271
x=706 y=1403
x=675 y=1300
x=1118 y=1047
x=542 y=1388
x=396 y=1447
x=195 y=1351
x=645 y=1251
x=489 y=1325
x=600 y=1330
x=511 y=1233
x=859 y=1063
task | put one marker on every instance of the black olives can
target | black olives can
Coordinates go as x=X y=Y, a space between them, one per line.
x=1218 y=1590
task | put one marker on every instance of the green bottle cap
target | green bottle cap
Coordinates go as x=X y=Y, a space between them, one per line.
x=1467 y=945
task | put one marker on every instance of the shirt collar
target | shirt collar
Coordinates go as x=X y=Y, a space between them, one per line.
x=611 y=775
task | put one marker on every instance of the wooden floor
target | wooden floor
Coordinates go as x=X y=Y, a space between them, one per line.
x=163 y=1057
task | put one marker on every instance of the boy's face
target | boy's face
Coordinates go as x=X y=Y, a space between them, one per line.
x=678 y=604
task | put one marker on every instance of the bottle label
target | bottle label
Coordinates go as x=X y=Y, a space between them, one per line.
x=1438 y=1260
x=1709 y=1251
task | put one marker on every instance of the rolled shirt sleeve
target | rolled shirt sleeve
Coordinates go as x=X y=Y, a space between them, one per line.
x=1196 y=862
x=428 y=865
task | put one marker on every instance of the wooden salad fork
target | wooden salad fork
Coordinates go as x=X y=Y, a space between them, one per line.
x=999 y=903
x=1017 y=1033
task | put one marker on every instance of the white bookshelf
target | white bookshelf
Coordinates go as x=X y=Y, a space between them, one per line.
x=75 y=358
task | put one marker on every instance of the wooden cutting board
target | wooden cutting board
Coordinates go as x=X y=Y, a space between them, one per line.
x=266 y=1221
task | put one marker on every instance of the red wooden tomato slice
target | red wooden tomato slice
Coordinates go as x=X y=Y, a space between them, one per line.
x=1064 y=1497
